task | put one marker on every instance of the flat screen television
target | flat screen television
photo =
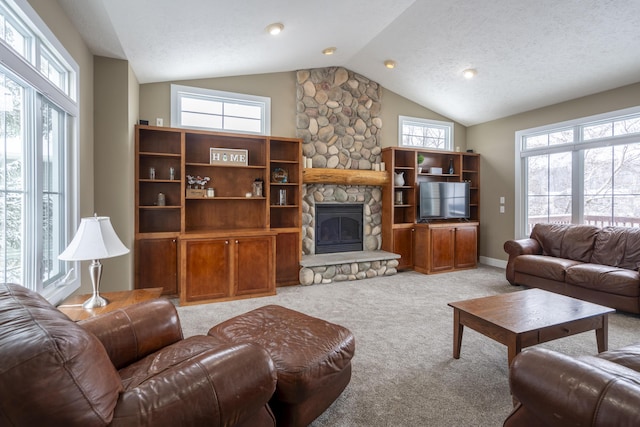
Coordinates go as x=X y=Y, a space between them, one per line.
x=444 y=200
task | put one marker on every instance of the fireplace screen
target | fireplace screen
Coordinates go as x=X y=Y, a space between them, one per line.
x=338 y=228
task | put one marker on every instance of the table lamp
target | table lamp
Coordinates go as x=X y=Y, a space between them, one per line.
x=96 y=239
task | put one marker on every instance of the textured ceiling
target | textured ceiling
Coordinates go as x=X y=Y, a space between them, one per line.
x=529 y=54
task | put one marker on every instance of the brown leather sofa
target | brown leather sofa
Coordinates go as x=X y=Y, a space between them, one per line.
x=556 y=390
x=130 y=367
x=582 y=261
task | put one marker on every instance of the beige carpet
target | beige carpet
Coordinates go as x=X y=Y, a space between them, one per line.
x=403 y=370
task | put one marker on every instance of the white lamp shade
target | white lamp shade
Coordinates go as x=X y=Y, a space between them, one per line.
x=95 y=239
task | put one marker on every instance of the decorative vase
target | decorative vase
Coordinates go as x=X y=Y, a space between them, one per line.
x=399 y=179
x=451 y=166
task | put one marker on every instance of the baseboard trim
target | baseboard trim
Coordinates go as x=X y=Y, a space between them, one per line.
x=493 y=262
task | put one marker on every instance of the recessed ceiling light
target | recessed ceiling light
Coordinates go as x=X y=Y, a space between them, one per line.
x=390 y=64
x=275 y=29
x=329 y=51
x=469 y=73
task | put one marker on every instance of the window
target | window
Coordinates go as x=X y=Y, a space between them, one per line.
x=38 y=191
x=199 y=108
x=431 y=134
x=582 y=172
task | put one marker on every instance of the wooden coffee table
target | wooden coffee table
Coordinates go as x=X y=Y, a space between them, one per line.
x=524 y=318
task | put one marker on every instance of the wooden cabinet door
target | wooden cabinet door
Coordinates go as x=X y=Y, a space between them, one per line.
x=403 y=245
x=254 y=261
x=206 y=269
x=442 y=249
x=157 y=265
x=421 y=251
x=466 y=247
x=288 y=258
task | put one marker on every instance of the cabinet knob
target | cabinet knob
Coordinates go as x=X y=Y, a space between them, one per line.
x=236 y=242
x=226 y=242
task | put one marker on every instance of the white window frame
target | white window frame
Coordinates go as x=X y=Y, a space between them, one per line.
x=26 y=69
x=179 y=91
x=575 y=147
x=426 y=123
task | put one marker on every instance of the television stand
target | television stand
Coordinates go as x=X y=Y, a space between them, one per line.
x=445 y=246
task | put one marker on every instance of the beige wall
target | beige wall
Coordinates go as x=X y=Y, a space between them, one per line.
x=115 y=114
x=155 y=101
x=496 y=142
x=59 y=24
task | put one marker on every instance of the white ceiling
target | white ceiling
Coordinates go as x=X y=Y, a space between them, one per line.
x=528 y=53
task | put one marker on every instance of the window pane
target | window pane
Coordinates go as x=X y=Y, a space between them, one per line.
x=536 y=141
x=201 y=120
x=52 y=70
x=424 y=136
x=52 y=198
x=206 y=106
x=13 y=37
x=601 y=130
x=11 y=232
x=549 y=188
x=625 y=127
x=612 y=185
x=242 y=125
x=242 y=110
x=562 y=137
x=218 y=110
x=12 y=161
x=559 y=137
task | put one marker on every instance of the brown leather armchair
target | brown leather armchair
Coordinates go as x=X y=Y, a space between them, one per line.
x=130 y=367
x=554 y=389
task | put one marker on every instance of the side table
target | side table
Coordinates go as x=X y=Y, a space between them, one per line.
x=72 y=306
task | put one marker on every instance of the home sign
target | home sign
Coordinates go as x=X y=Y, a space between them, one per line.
x=228 y=157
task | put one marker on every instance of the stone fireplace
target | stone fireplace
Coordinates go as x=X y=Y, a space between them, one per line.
x=338 y=120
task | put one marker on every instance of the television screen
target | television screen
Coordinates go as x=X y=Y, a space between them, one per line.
x=444 y=200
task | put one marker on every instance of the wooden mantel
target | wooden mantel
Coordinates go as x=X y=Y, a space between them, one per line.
x=344 y=176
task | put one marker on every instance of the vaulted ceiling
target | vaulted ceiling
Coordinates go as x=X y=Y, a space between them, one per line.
x=528 y=54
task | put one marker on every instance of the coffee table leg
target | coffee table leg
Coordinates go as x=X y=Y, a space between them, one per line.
x=602 y=334
x=514 y=348
x=457 y=333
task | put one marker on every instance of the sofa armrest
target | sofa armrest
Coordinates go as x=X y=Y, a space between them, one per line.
x=559 y=390
x=516 y=248
x=131 y=333
x=225 y=386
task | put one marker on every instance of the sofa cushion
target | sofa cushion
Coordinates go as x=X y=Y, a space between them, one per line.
x=548 y=267
x=618 y=247
x=628 y=356
x=604 y=278
x=569 y=241
x=41 y=349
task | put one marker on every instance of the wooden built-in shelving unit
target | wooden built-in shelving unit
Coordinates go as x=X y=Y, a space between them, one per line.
x=227 y=246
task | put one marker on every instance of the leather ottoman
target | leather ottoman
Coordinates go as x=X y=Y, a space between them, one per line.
x=312 y=358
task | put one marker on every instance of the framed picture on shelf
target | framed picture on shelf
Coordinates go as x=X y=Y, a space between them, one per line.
x=228 y=156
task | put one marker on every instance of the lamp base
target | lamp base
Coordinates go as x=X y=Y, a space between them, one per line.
x=95 y=271
x=94 y=302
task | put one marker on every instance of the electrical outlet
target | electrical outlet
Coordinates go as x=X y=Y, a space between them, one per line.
x=502 y=200
x=501 y=209
x=159 y=121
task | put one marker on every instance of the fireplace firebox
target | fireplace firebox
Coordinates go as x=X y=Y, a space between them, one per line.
x=338 y=227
